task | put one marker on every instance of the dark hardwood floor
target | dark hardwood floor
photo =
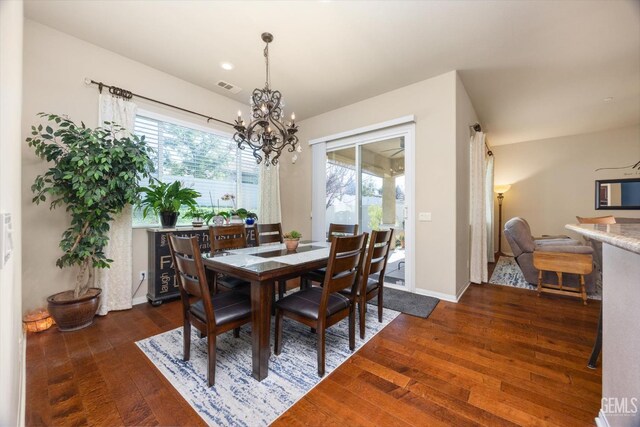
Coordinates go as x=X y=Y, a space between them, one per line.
x=501 y=356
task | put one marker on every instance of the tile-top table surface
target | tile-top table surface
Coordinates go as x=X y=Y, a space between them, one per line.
x=272 y=257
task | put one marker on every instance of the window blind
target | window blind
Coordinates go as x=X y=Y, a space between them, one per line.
x=209 y=162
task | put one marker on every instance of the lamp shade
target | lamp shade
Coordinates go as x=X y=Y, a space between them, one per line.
x=501 y=189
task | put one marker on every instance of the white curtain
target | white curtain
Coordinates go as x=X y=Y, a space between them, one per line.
x=478 y=262
x=115 y=282
x=489 y=209
x=270 y=210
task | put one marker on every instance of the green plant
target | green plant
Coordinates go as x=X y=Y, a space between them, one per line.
x=292 y=235
x=243 y=214
x=161 y=197
x=202 y=213
x=224 y=214
x=95 y=173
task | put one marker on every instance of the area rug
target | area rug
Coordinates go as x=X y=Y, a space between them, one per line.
x=237 y=399
x=508 y=273
x=406 y=302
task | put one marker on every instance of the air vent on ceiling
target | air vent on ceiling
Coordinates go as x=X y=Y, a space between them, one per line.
x=228 y=86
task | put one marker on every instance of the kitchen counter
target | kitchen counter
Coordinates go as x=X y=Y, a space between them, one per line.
x=620 y=320
x=624 y=236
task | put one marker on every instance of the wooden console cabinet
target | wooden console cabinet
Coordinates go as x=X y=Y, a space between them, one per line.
x=162 y=284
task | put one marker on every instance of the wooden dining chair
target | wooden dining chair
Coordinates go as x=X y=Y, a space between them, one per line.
x=320 y=308
x=340 y=230
x=267 y=234
x=211 y=315
x=609 y=219
x=335 y=230
x=228 y=237
x=375 y=263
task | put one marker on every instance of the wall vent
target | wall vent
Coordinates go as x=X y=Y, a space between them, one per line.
x=228 y=86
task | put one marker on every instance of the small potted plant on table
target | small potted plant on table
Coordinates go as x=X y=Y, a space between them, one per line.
x=166 y=199
x=292 y=239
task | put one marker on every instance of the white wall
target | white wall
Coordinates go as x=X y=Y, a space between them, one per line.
x=433 y=102
x=553 y=180
x=12 y=352
x=55 y=65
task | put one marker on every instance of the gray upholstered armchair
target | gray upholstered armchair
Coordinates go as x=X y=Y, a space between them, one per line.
x=518 y=234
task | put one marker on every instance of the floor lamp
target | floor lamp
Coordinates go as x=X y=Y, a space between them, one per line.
x=500 y=189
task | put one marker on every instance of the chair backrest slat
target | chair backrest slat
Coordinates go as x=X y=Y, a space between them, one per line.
x=269 y=233
x=341 y=230
x=190 y=273
x=610 y=219
x=345 y=263
x=227 y=237
x=377 y=257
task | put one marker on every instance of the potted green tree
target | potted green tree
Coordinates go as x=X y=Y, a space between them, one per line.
x=95 y=174
x=292 y=239
x=166 y=199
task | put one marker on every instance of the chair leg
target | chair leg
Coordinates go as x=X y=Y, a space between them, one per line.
x=597 y=346
x=273 y=303
x=362 y=309
x=282 y=288
x=321 y=334
x=380 y=301
x=186 y=338
x=352 y=327
x=277 y=344
x=583 y=290
x=539 y=282
x=211 y=342
x=236 y=332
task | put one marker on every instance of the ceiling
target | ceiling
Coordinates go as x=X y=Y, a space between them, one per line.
x=532 y=69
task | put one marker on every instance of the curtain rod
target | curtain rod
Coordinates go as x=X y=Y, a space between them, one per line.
x=125 y=94
x=477 y=128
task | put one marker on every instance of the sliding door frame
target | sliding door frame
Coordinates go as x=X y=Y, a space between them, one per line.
x=403 y=127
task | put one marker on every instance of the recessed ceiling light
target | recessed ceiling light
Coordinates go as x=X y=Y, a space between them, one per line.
x=608 y=99
x=227 y=66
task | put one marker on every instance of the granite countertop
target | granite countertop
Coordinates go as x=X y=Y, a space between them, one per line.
x=625 y=236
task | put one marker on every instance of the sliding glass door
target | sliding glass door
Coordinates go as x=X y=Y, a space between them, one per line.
x=365 y=184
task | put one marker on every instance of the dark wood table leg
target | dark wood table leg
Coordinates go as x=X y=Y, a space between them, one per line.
x=261 y=293
x=597 y=347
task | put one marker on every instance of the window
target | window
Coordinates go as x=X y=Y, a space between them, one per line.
x=203 y=159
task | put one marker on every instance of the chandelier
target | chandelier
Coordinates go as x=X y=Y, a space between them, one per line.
x=267 y=134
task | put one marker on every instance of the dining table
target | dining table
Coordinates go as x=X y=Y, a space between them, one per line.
x=263 y=266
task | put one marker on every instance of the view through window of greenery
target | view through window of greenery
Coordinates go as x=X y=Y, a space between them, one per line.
x=206 y=161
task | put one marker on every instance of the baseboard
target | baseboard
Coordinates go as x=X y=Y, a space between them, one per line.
x=601 y=420
x=434 y=294
x=139 y=300
x=462 y=292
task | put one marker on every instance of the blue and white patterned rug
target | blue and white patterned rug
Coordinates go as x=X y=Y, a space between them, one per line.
x=237 y=398
x=508 y=273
